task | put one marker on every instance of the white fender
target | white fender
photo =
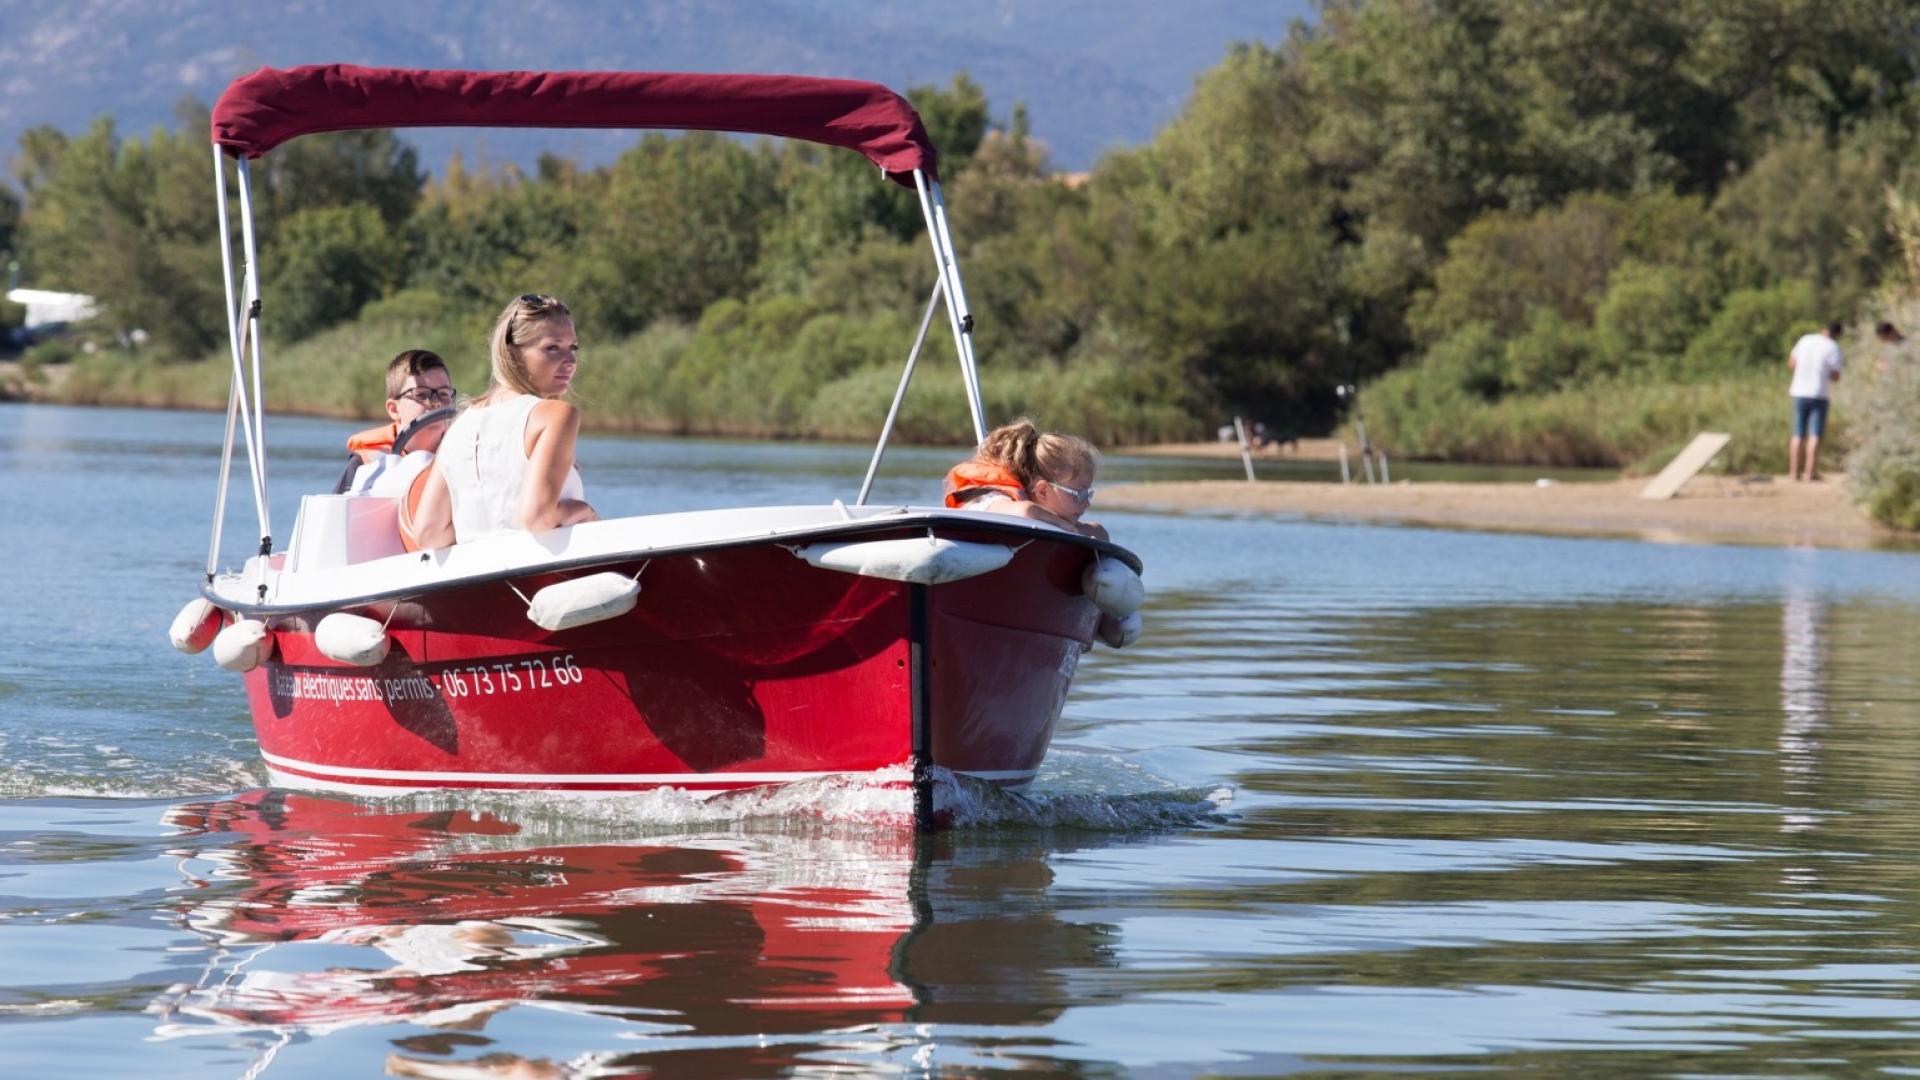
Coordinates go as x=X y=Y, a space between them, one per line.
x=1119 y=632
x=591 y=599
x=193 y=629
x=1113 y=587
x=243 y=646
x=920 y=560
x=352 y=639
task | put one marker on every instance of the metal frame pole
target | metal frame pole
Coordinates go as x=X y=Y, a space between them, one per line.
x=220 y=494
x=252 y=316
x=900 y=393
x=958 y=317
x=236 y=393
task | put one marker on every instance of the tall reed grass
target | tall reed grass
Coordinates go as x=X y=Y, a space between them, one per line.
x=777 y=369
x=1630 y=424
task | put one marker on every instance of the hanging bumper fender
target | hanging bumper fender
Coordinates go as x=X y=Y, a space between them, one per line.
x=916 y=560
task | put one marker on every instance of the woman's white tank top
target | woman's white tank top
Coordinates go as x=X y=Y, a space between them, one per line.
x=483 y=456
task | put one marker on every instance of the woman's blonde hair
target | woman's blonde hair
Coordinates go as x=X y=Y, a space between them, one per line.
x=1031 y=454
x=512 y=330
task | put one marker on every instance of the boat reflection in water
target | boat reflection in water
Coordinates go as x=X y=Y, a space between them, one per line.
x=720 y=944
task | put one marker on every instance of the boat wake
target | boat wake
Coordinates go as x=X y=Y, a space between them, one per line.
x=881 y=800
x=126 y=778
x=975 y=805
x=1076 y=791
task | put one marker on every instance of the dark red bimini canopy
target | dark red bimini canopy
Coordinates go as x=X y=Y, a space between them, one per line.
x=270 y=106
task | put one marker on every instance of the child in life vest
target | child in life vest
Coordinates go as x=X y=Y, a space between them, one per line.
x=1025 y=472
x=417 y=385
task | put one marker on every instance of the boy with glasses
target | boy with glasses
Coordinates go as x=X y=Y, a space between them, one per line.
x=417 y=385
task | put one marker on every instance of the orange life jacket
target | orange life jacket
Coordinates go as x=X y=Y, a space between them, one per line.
x=972 y=478
x=373 y=442
x=368 y=445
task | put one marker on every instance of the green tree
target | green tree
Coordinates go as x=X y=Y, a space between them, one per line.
x=955 y=118
x=9 y=222
x=481 y=239
x=1222 y=253
x=679 y=228
x=1506 y=264
x=130 y=224
x=828 y=198
x=328 y=263
x=1813 y=208
x=1468 y=361
x=1754 y=328
x=337 y=168
x=1649 y=315
x=133 y=223
x=1551 y=352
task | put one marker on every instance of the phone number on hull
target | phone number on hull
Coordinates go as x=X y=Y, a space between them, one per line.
x=462 y=681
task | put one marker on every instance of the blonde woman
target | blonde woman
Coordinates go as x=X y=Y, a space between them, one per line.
x=1025 y=472
x=507 y=461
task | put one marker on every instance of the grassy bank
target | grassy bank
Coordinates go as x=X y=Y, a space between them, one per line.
x=741 y=372
x=793 y=371
x=1618 y=423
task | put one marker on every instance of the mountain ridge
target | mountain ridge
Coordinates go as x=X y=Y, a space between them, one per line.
x=1093 y=75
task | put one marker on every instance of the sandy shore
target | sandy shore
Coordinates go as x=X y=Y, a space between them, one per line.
x=1707 y=510
x=1298 y=450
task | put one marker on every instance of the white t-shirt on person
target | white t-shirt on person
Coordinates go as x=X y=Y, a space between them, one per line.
x=483 y=456
x=390 y=474
x=1816 y=360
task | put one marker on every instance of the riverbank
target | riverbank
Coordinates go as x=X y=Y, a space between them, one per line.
x=1708 y=510
x=1292 y=450
x=20 y=382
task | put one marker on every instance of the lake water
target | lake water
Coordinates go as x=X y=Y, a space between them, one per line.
x=1365 y=800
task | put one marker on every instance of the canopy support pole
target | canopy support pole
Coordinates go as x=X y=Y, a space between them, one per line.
x=237 y=403
x=252 y=315
x=899 y=394
x=959 y=318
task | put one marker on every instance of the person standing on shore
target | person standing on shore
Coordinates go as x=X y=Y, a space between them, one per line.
x=1815 y=362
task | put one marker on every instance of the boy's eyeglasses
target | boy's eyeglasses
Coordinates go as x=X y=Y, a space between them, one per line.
x=1084 y=496
x=429 y=396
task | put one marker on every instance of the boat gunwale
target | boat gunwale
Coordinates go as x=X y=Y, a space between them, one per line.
x=886 y=521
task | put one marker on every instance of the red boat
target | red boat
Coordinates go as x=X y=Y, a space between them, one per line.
x=706 y=651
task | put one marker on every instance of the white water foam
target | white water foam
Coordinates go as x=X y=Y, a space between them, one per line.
x=881 y=800
x=1077 y=790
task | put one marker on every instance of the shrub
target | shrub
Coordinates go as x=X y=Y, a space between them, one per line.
x=54 y=351
x=1469 y=360
x=1754 y=328
x=1611 y=422
x=1649 y=315
x=1884 y=471
x=1550 y=353
x=1896 y=500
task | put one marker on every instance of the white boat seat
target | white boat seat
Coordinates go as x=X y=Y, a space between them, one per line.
x=336 y=530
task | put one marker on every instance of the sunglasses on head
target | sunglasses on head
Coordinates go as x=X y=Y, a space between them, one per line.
x=536 y=304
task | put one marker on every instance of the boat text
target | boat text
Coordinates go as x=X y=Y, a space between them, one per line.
x=510 y=677
x=467 y=680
